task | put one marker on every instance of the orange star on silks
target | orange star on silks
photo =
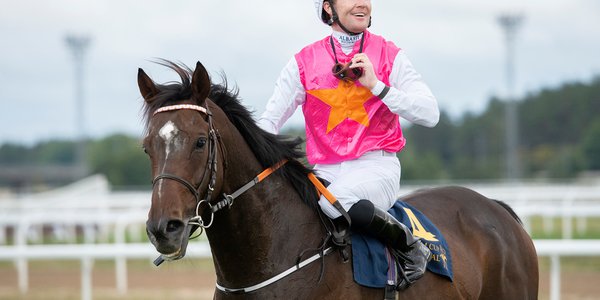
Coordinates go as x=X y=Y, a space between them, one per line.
x=347 y=102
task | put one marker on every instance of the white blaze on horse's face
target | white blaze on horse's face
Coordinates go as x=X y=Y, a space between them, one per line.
x=169 y=135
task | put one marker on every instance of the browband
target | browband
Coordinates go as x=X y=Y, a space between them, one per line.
x=181 y=106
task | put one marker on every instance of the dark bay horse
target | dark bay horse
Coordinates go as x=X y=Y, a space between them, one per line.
x=205 y=147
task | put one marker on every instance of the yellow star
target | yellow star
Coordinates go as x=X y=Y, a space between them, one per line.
x=346 y=101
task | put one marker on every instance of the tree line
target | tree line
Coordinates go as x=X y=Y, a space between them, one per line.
x=559 y=134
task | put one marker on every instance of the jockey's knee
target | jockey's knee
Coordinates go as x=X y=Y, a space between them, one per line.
x=361 y=214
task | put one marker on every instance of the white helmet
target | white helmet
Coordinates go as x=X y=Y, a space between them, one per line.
x=319 y=8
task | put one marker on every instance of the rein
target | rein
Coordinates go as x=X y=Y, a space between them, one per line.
x=276 y=278
x=228 y=199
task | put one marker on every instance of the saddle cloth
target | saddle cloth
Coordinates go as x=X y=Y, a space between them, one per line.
x=368 y=254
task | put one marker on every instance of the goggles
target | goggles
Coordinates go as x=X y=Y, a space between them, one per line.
x=344 y=72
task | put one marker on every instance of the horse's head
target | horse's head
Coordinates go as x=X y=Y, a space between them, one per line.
x=181 y=143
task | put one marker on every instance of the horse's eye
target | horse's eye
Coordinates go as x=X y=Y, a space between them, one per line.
x=201 y=142
x=145 y=150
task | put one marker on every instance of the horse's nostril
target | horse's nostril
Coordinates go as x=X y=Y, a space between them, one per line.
x=174 y=225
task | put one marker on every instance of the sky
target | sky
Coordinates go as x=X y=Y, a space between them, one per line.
x=457 y=46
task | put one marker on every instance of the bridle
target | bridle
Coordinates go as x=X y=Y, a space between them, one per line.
x=211 y=166
x=213 y=142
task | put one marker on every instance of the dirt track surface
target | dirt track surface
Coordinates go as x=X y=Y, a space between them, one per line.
x=192 y=279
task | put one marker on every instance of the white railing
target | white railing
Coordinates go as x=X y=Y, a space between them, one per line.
x=98 y=214
x=91 y=206
x=87 y=253
x=565 y=201
x=557 y=248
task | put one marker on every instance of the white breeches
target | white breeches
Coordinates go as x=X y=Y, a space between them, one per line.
x=375 y=176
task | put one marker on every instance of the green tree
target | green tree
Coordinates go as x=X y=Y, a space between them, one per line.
x=590 y=146
x=12 y=154
x=421 y=166
x=121 y=159
x=59 y=152
x=559 y=137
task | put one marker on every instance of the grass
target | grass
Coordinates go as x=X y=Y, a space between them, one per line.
x=592 y=230
x=185 y=279
x=573 y=264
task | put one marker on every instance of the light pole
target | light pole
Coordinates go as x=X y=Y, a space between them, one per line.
x=510 y=23
x=78 y=45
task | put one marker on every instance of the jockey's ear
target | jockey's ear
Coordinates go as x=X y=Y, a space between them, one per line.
x=200 y=83
x=147 y=87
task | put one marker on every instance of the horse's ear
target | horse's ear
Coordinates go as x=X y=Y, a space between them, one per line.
x=200 y=83
x=147 y=87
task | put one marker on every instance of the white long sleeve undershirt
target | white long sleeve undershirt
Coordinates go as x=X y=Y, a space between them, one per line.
x=409 y=96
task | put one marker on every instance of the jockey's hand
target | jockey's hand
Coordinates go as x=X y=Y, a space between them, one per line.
x=368 y=78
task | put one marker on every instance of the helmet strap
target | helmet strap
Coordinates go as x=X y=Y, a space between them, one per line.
x=335 y=18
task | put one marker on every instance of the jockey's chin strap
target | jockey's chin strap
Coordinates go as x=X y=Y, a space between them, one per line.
x=335 y=18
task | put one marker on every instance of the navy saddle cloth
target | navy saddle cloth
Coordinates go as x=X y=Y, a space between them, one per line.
x=368 y=254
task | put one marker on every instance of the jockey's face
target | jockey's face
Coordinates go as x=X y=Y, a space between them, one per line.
x=353 y=14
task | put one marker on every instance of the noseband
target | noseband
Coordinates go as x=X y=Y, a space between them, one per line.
x=211 y=166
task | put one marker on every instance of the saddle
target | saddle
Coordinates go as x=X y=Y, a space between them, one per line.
x=374 y=265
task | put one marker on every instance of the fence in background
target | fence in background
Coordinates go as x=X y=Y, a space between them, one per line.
x=91 y=212
x=559 y=200
x=87 y=253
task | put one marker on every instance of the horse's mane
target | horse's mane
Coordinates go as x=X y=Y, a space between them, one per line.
x=269 y=149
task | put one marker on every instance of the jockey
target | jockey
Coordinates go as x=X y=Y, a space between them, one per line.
x=353 y=87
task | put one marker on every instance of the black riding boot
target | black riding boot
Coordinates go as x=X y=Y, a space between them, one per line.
x=369 y=219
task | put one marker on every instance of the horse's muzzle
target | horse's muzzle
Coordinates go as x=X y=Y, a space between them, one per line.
x=169 y=237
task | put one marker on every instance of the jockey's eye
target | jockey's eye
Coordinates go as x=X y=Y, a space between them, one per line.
x=201 y=143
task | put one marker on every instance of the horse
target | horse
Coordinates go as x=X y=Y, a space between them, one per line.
x=214 y=168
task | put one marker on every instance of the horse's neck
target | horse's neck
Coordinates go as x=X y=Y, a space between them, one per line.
x=264 y=231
